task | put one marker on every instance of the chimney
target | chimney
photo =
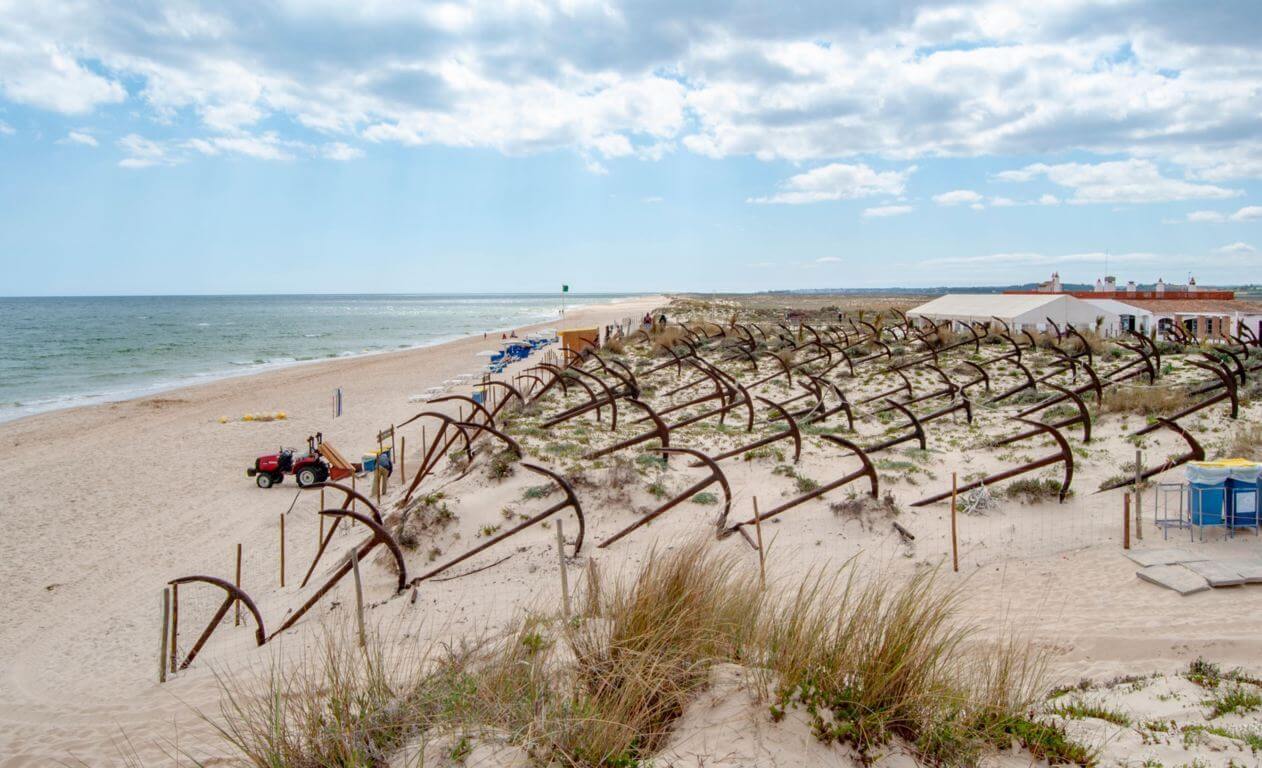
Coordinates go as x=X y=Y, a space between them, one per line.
x=1160 y=287
x=1110 y=283
x=1056 y=282
x=1099 y=285
x=1130 y=286
x=1191 y=285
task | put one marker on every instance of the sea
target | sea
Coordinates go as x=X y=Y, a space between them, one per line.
x=66 y=351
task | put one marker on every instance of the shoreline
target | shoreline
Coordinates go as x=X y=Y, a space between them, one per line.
x=71 y=403
x=109 y=501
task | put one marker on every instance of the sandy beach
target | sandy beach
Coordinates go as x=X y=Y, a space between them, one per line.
x=156 y=489
x=107 y=502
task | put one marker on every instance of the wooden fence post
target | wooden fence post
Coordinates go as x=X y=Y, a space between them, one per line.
x=359 y=599
x=565 y=579
x=403 y=451
x=282 y=551
x=1126 y=521
x=1139 y=479
x=175 y=621
x=236 y=603
x=166 y=622
x=762 y=558
x=955 y=542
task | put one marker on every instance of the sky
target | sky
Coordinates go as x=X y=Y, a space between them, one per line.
x=513 y=145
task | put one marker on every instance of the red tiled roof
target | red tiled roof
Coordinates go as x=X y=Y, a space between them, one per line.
x=1195 y=306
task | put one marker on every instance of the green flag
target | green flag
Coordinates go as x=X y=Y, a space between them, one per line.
x=565 y=289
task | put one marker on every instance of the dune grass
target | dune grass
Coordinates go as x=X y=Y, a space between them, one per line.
x=869 y=661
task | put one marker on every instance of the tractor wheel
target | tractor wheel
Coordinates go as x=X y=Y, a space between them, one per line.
x=307 y=476
x=264 y=480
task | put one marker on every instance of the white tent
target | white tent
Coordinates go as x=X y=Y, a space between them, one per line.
x=1019 y=310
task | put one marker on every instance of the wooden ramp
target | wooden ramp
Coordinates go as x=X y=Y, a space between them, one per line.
x=339 y=467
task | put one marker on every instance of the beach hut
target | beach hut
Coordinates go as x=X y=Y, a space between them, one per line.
x=579 y=339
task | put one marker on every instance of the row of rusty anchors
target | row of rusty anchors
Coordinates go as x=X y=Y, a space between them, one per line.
x=234 y=594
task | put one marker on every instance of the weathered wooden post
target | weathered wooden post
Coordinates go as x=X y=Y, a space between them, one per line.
x=359 y=599
x=955 y=543
x=762 y=559
x=403 y=451
x=166 y=622
x=282 y=551
x=1126 y=521
x=565 y=579
x=1139 y=479
x=175 y=621
x=236 y=604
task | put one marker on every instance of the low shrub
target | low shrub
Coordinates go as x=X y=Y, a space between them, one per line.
x=1144 y=400
x=1033 y=490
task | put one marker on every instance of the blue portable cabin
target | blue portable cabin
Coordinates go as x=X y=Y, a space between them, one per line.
x=1224 y=492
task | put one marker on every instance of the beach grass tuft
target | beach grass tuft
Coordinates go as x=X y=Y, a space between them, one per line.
x=868 y=660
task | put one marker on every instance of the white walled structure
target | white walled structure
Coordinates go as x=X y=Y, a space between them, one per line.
x=1029 y=311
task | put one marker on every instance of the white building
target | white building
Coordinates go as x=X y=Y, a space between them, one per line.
x=1028 y=311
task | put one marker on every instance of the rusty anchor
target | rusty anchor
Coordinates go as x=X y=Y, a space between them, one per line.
x=917 y=432
x=1229 y=393
x=716 y=476
x=1083 y=417
x=379 y=536
x=790 y=432
x=1029 y=383
x=659 y=431
x=234 y=594
x=1195 y=453
x=1063 y=455
x=570 y=500
x=867 y=470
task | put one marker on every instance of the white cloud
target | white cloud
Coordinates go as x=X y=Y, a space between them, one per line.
x=1047 y=199
x=41 y=74
x=1175 y=86
x=1247 y=213
x=882 y=211
x=1118 y=181
x=340 y=151
x=267 y=146
x=763 y=264
x=1002 y=202
x=1027 y=259
x=957 y=197
x=837 y=181
x=143 y=153
x=80 y=137
x=1238 y=249
x=651 y=199
x=6 y=129
x=828 y=260
x=1202 y=217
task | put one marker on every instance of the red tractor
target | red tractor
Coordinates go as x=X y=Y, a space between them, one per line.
x=308 y=469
